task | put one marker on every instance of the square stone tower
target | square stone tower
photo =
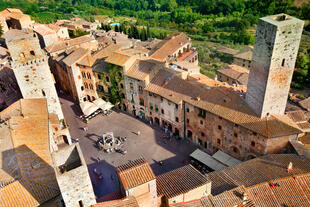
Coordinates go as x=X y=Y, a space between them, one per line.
x=276 y=47
x=30 y=65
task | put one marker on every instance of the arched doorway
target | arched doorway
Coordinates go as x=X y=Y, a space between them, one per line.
x=176 y=132
x=124 y=107
x=156 y=121
x=189 y=134
x=235 y=150
x=170 y=127
x=88 y=98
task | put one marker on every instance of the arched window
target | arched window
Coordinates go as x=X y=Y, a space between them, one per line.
x=86 y=85
x=91 y=86
x=88 y=76
x=83 y=74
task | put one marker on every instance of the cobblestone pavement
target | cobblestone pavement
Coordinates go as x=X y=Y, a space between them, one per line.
x=150 y=144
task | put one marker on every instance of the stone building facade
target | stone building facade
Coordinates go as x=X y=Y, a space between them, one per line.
x=276 y=47
x=213 y=133
x=243 y=58
x=74 y=73
x=30 y=65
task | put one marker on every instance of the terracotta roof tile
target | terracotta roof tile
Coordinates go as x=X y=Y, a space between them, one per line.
x=75 y=56
x=135 y=173
x=118 y=58
x=179 y=181
x=221 y=101
x=305 y=103
x=29 y=177
x=125 y=202
x=142 y=68
x=169 y=46
x=291 y=191
x=258 y=170
x=246 y=53
x=236 y=72
x=63 y=45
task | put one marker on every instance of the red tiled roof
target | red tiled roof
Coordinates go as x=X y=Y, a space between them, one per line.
x=169 y=46
x=125 y=202
x=258 y=170
x=220 y=101
x=179 y=181
x=135 y=173
x=142 y=68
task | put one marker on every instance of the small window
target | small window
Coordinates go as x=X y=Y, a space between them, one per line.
x=202 y=134
x=86 y=85
x=283 y=63
x=177 y=119
x=81 y=203
x=84 y=99
x=43 y=93
x=253 y=144
x=220 y=118
x=187 y=110
x=235 y=134
x=218 y=141
x=161 y=99
x=107 y=79
x=187 y=121
x=176 y=106
x=84 y=76
x=140 y=89
x=122 y=86
x=82 y=88
x=236 y=125
x=219 y=127
x=91 y=86
x=150 y=94
x=32 y=53
x=254 y=133
x=201 y=122
x=88 y=76
x=99 y=76
x=162 y=111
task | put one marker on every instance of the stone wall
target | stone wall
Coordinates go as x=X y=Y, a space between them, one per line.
x=215 y=133
x=276 y=46
x=75 y=185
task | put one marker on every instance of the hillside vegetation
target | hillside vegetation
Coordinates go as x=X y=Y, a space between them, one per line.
x=229 y=22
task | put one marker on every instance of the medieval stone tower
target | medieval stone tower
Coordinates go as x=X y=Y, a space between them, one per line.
x=31 y=69
x=276 y=46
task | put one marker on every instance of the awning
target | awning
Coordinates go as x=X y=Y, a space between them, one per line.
x=103 y=104
x=225 y=158
x=207 y=160
x=88 y=108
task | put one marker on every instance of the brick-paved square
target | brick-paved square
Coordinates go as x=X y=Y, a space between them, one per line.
x=150 y=144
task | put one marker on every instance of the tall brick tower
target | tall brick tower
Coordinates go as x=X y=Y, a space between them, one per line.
x=30 y=65
x=276 y=46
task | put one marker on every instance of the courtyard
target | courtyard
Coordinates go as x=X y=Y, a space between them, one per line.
x=150 y=144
